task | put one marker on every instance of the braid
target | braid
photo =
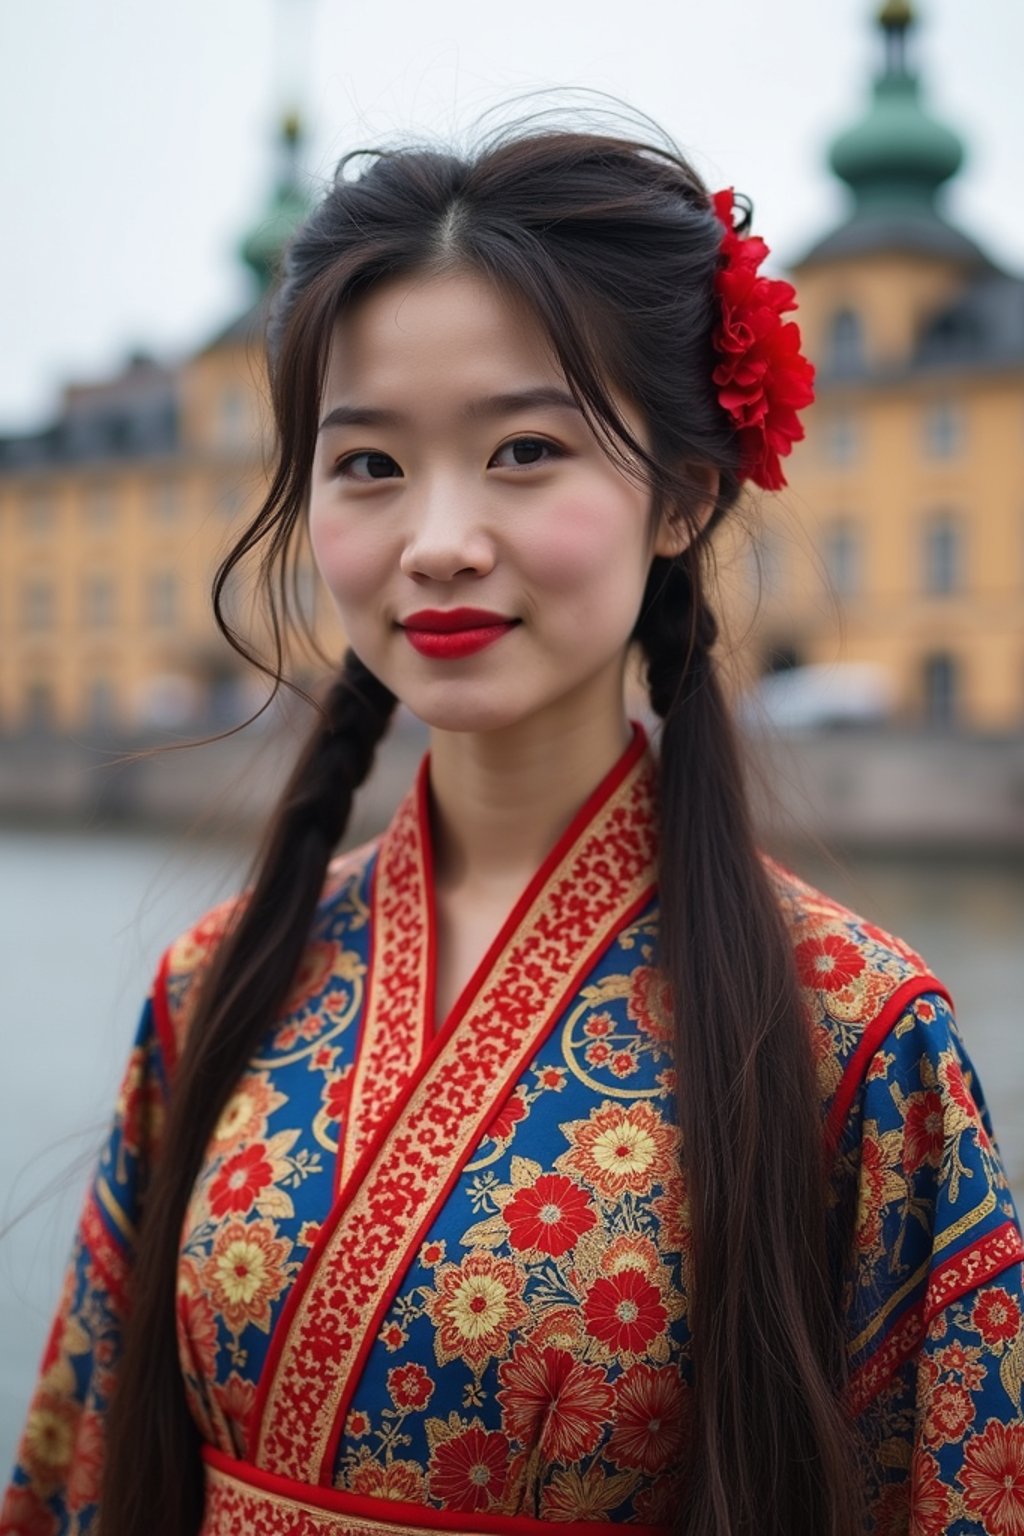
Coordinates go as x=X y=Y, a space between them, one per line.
x=743 y=1061
x=239 y=998
x=676 y=631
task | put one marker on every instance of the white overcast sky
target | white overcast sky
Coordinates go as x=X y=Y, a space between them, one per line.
x=137 y=135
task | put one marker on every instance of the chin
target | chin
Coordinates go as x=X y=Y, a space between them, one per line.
x=466 y=710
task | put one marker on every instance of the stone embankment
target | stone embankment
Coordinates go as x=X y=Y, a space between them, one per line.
x=857 y=789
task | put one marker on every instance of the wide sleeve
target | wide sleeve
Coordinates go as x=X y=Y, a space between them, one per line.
x=56 y=1479
x=936 y=1291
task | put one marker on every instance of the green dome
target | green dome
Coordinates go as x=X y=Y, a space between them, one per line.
x=289 y=204
x=897 y=153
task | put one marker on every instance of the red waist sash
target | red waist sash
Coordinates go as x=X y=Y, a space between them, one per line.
x=241 y=1500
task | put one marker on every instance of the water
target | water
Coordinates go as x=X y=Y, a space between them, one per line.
x=84 y=918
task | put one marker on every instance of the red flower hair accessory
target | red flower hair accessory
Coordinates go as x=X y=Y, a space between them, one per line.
x=763 y=378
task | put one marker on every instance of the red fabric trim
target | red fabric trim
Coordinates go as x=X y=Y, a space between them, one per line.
x=874 y=1034
x=395 y=1512
x=969 y=1268
x=604 y=791
x=371 y=966
x=438 y=1127
x=162 y=1017
x=515 y=1071
x=427 y=852
x=106 y=1254
x=957 y=1277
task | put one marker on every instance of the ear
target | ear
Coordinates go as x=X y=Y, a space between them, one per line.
x=677 y=530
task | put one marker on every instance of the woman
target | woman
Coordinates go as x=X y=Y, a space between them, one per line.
x=554 y=1159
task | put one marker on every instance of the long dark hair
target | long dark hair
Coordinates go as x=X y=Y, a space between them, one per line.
x=613 y=245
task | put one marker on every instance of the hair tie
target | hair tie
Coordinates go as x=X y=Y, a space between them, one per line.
x=763 y=379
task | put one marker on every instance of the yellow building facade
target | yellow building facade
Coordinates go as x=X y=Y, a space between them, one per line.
x=900 y=541
x=114 y=520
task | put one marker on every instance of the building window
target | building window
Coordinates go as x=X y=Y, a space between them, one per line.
x=38 y=606
x=166 y=500
x=941 y=689
x=843 y=555
x=98 y=602
x=39 y=511
x=846 y=342
x=943 y=555
x=164 y=598
x=100 y=505
x=944 y=429
x=840 y=438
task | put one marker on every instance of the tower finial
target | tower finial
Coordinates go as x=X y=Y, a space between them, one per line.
x=896 y=18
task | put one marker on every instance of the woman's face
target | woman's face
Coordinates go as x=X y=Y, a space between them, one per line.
x=486 y=557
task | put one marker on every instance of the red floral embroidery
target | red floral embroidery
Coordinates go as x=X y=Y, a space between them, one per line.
x=26 y=1516
x=618 y=1149
x=508 y=1117
x=197 y=1325
x=952 y=1076
x=553 y=1403
x=87 y=1465
x=393 y=1336
x=357 y=1425
x=245 y=1272
x=476 y=1305
x=468 y=1470
x=241 y=1181
x=625 y=1311
x=395 y=1480
x=993 y=1478
x=949 y=1414
x=335 y=1097
x=872 y=1186
x=410 y=1386
x=672 y=1209
x=623 y=1064
x=930 y=1510
x=235 y=1398
x=598 y=1053
x=244 y=1116
x=550 y=1216
x=649 y=1418
x=828 y=963
x=996 y=1315
x=599 y=1025
x=650 y=1003
x=923 y=1131
x=763 y=378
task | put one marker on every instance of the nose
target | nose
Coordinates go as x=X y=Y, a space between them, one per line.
x=447 y=537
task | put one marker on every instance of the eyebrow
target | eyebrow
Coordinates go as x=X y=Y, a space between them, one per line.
x=477 y=410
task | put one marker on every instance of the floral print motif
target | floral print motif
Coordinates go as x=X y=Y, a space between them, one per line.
x=535 y=1357
x=476 y=1305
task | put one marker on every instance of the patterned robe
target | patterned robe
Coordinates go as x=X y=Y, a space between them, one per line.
x=435 y=1279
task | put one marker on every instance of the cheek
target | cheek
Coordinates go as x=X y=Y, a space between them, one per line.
x=583 y=545
x=351 y=560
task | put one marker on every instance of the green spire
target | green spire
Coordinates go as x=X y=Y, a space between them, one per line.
x=288 y=205
x=896 y=157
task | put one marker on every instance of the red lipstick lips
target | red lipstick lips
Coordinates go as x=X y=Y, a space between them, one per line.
x=446 y=634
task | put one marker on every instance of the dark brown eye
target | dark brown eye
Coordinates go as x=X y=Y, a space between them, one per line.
x=378 y=466
x=526 y=451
